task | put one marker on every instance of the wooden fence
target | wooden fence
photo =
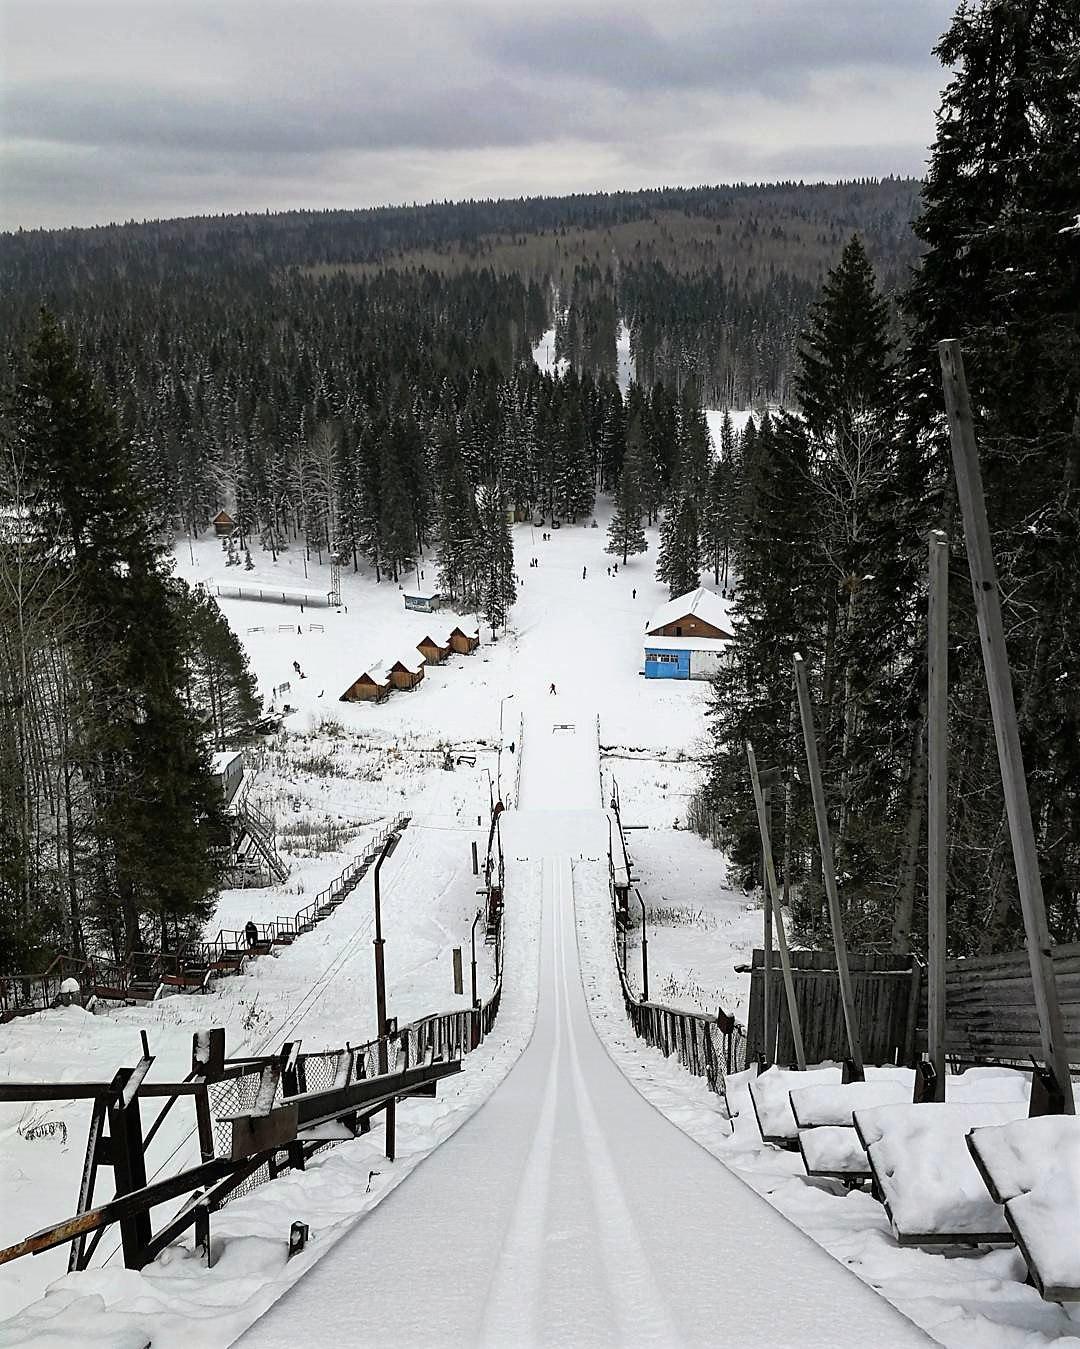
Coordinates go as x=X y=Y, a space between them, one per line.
x=990 y=1007
x=887 y=995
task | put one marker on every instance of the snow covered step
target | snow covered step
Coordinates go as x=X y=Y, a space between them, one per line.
x=930 y=1186
x=1032 y=1167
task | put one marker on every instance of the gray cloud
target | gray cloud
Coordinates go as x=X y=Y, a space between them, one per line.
x=119 y=108
x=776 y=46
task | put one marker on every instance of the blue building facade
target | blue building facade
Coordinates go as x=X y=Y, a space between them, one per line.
x=663 y=663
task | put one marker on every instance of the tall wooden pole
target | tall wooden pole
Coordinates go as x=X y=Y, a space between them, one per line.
x=828 y=869
x=984 y=584
x=937 y=802
x=768 y=1029
x=778 y=917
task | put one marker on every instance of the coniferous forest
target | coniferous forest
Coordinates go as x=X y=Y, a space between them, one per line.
x=362 y=384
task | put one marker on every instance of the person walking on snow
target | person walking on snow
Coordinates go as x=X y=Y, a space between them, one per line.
x=251 y=932
x=633 y=593
x=583 y=573
x=552 y=689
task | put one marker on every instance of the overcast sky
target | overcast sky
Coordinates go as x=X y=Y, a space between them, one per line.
x=121 y=109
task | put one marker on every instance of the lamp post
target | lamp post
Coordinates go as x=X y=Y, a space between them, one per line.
x=644 y=950
x=479 y=915
x=380 y=990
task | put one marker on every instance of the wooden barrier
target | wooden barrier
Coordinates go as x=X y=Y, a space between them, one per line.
x=884 y=987
x=991 y=1011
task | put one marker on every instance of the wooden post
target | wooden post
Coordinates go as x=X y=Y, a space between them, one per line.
x=937 y=802
x=768 y=1030
x=778 y=917
x=984 y=585
x=828 y=870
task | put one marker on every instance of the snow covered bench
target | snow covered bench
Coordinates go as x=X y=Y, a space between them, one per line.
x=772 y=1090
x=770 y=1095
x=924 y=1173
x=823 y=1115
x=1032 y=1167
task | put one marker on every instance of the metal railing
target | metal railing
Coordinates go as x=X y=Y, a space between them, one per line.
x=21 y=994
x=144 y=973
x=227 y=952
x=255 y=1118
x=707 y=1046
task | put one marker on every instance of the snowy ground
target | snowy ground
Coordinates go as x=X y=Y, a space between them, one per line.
x=335 y=776
x=341 y=770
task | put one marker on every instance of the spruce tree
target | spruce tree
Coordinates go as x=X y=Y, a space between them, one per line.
x=156 y=815
x=1001 y=273
x=626 y=535
x=498 y=589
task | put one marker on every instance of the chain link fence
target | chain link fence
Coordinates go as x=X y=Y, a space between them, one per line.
x=444 y=1036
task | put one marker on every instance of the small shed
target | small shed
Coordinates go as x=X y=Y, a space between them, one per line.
x=433 y=652
x=371 y=686
x=462 y=643
x=699 y=613
x=424 y=604
x=683 y=657
x=407 y=673
x=223 y=523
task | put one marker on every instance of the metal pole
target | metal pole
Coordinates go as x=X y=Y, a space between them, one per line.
x=380 y=991
x=937 y=799
x=644 y=950
x=828 y=869
x=778 y=917
x=984 y=584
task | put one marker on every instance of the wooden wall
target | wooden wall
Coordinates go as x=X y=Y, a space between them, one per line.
x=990 y=1006
x=883 y=986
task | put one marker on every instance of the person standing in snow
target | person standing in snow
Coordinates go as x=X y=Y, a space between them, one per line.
x=251 y=932
x=583 y=570
x=633 y=593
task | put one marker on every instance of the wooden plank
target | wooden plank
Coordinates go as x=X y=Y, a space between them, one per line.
x=984 y=585
x=795 y=1024
x=828 y=869
x=126 y=1205
x=937 y=801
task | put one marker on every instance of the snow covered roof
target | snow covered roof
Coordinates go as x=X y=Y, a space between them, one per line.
x=412 y=663
x=375 y=671
x=701 y=603
x=686 y=644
